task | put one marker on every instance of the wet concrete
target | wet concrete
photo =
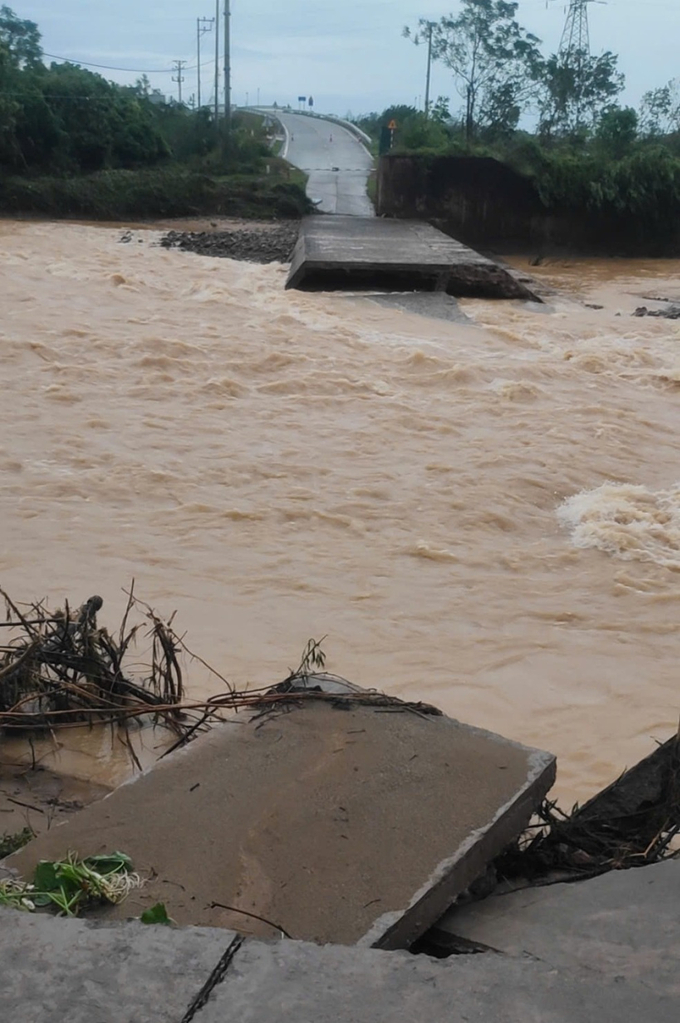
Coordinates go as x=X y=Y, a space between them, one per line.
x=55 y=970
x=328 y=822
x=621 y=925
x=340 y=253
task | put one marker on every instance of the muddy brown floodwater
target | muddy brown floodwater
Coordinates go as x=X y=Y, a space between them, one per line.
x=485 y=516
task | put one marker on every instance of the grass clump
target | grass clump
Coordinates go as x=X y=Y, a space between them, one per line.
x=10 y=842
x=70 y=885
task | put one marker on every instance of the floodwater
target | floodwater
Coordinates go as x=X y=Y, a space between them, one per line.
x=483 y=516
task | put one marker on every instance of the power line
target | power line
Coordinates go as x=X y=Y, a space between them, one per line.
x=111 y=67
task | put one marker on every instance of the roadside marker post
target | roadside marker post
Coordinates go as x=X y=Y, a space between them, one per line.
x=387 y=138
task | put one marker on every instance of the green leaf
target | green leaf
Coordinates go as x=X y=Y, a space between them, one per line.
x=110 y=863
x=41 y=899
x=158 y=914
x=46 y=878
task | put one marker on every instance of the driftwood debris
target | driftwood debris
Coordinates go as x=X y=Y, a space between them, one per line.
x=631 y=823
x=59 y=668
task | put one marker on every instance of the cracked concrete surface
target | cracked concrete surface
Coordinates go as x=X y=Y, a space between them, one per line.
x=622 y=924
x=625 y=972
x=336 y=822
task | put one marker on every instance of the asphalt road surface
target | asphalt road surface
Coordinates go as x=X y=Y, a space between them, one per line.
x=336 y=161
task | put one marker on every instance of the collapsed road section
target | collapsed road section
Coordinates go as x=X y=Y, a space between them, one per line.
x=335 y=815
x=341 y=253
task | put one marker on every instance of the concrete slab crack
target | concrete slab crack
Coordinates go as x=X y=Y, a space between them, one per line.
x=215 y=978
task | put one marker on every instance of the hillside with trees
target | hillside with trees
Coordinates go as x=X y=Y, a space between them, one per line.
x=555 y=118
x=73 y=143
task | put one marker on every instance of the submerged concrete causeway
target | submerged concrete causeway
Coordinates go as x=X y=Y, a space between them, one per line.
x=399 y=255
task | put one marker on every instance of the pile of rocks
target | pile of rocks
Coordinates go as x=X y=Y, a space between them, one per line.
x=262 y=243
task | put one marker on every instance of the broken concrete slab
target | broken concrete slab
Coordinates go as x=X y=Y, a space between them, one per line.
x=55 y=970
x=329 y=820
x=397 y=255
x=624 y=923
x=291 y=982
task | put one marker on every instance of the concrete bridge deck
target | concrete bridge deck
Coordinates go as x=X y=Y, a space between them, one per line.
x=343 y=252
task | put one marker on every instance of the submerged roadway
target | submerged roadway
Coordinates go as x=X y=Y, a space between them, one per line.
x=334 y=158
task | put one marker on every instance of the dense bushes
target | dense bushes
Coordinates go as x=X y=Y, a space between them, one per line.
x=164 y=192
x=73 y=144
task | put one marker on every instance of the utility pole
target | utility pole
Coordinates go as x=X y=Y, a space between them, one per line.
x=424 y=35
x=203 y=25
x=179 y=66
x=430 y=27
x=217 y=64
x=227 y=64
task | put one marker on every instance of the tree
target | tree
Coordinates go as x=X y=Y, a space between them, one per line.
x=372 y=123
x=660 y=110
x=574 y=90
x=8 y=105
x=440 y=110
x=617 y=131
x=22 y=39
x=492 y=59
x=142 y=87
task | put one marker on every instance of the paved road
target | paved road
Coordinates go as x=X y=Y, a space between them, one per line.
x=317 y=147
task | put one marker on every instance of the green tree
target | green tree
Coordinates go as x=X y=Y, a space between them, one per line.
x=492 y=59
x=372 y=123
x=440 y=110
x=660 y=110
x=574 y=90
x=22 y=39
x=617 y=131
x=9 y=107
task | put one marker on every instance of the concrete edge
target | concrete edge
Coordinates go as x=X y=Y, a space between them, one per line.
x=400 y=928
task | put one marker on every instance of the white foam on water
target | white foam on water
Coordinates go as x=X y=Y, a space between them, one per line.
x=628 y=521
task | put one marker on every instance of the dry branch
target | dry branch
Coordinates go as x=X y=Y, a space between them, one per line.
x=60 y=669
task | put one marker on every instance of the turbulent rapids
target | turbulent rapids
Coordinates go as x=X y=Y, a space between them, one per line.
x=484 y=516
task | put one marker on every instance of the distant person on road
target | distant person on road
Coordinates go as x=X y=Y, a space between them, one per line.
x=330 y=139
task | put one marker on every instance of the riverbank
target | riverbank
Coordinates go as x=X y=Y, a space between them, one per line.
x=116 y=195
x=571 y=207
x=255 y=242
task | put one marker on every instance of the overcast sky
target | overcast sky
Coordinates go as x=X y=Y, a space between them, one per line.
x=348 y=54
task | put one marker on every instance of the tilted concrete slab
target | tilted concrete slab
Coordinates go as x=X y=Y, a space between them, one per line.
x=399 y=255
x=623 y=924
x=69 y=971
x=334 y=822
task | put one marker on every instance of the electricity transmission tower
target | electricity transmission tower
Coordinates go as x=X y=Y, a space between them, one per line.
x=576 y=34
x=575 y=48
